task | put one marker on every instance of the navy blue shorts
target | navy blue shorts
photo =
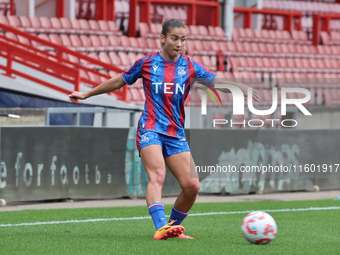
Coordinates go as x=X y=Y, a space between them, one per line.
x=170 y=145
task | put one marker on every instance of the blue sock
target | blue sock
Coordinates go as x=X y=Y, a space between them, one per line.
x=177 y=215
x=157 y=213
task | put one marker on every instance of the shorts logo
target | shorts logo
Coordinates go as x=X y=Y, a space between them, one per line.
x=181 y=70
x=144 y=139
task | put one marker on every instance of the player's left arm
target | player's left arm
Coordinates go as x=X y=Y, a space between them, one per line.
x=242 y=87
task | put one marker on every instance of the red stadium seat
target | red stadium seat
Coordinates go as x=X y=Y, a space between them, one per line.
x=334 y=50
x=334 y=38
x=194 y=33
x=199 y=48
x=94 y=77
x=250 y=36
x=299 y=50
x=154 y=31
x=41 y=46
x=203 y=31
x=230 y=48
x=125 y=43
x=66 y=24
x=94 y=26
x=292 y=50
x=241 y=64
x=65 y=40
x=46 y=24
x=112 y=26
x=126 y=61
x=283 y=65
x=211 y=47
x=55 y=23
x=24 y=23
x=103 y=57
x=133 y=57
x=285 y=51
x=286 y=36
x=152 y=44
x=104 y=41
x=247 y=49
x=275 y=67
x=260 y=65
x=76 y=42
x=220 y=35
x=324 y=36
x=278 y=51
x=115 y=59
x=251 y=65
x=266 y=36
x=36 y=25
x=114 y=41
x=103 y=26
x=271 y=50
x=13 y=21
x=258 y=36
x=222 y=46
x=54 y=38
x=11 y=35
x=262 y=49
x=3 y=20
x=235 y=35
x=309 y=51
x=144 y=29
x=134 y=44
x=86 y=42
x=76 y=26
x=85 y=26
x=212 y=32
x=96 y=43
x=255 y=50
x=273 y=37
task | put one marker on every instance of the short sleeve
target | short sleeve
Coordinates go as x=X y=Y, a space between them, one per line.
x=203 y=73
x=131 y=75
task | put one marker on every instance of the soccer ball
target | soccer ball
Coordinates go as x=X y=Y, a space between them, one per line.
x=259 y=228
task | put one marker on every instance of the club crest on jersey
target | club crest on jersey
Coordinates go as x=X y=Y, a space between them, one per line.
x=155 y=67
x=181 y=70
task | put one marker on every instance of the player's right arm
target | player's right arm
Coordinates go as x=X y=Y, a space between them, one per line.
x=110 y=85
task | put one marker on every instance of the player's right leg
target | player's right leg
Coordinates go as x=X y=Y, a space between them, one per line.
x=153 y=162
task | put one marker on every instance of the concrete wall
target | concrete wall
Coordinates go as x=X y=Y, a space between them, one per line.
x=322 y=118
x=28 y=117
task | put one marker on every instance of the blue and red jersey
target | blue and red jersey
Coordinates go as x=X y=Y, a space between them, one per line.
x=166 y=86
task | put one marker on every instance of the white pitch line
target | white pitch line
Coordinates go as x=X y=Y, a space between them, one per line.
x=148 y=217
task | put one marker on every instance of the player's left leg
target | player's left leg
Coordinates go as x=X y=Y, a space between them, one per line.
x=182 y=167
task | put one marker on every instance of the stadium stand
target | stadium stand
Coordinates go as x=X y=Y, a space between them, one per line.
x=263 y=58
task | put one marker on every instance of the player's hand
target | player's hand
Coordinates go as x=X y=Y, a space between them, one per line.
x=77 y=95
x=244 y=89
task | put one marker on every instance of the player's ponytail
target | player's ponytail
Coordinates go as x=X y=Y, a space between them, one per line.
x=167 y=25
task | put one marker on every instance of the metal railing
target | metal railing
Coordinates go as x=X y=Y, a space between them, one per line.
x=76 y=111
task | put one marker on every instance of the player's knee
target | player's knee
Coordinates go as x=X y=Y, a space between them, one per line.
x=192 y=188
x=158 y=177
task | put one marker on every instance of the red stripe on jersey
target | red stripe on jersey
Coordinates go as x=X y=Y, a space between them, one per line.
x=150 y=114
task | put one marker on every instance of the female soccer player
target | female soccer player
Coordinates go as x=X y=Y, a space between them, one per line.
x=160 y=134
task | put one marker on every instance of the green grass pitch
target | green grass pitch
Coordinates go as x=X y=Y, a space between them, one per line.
x=299 y=232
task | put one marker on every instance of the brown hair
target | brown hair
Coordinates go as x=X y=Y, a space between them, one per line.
x=170 y=24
